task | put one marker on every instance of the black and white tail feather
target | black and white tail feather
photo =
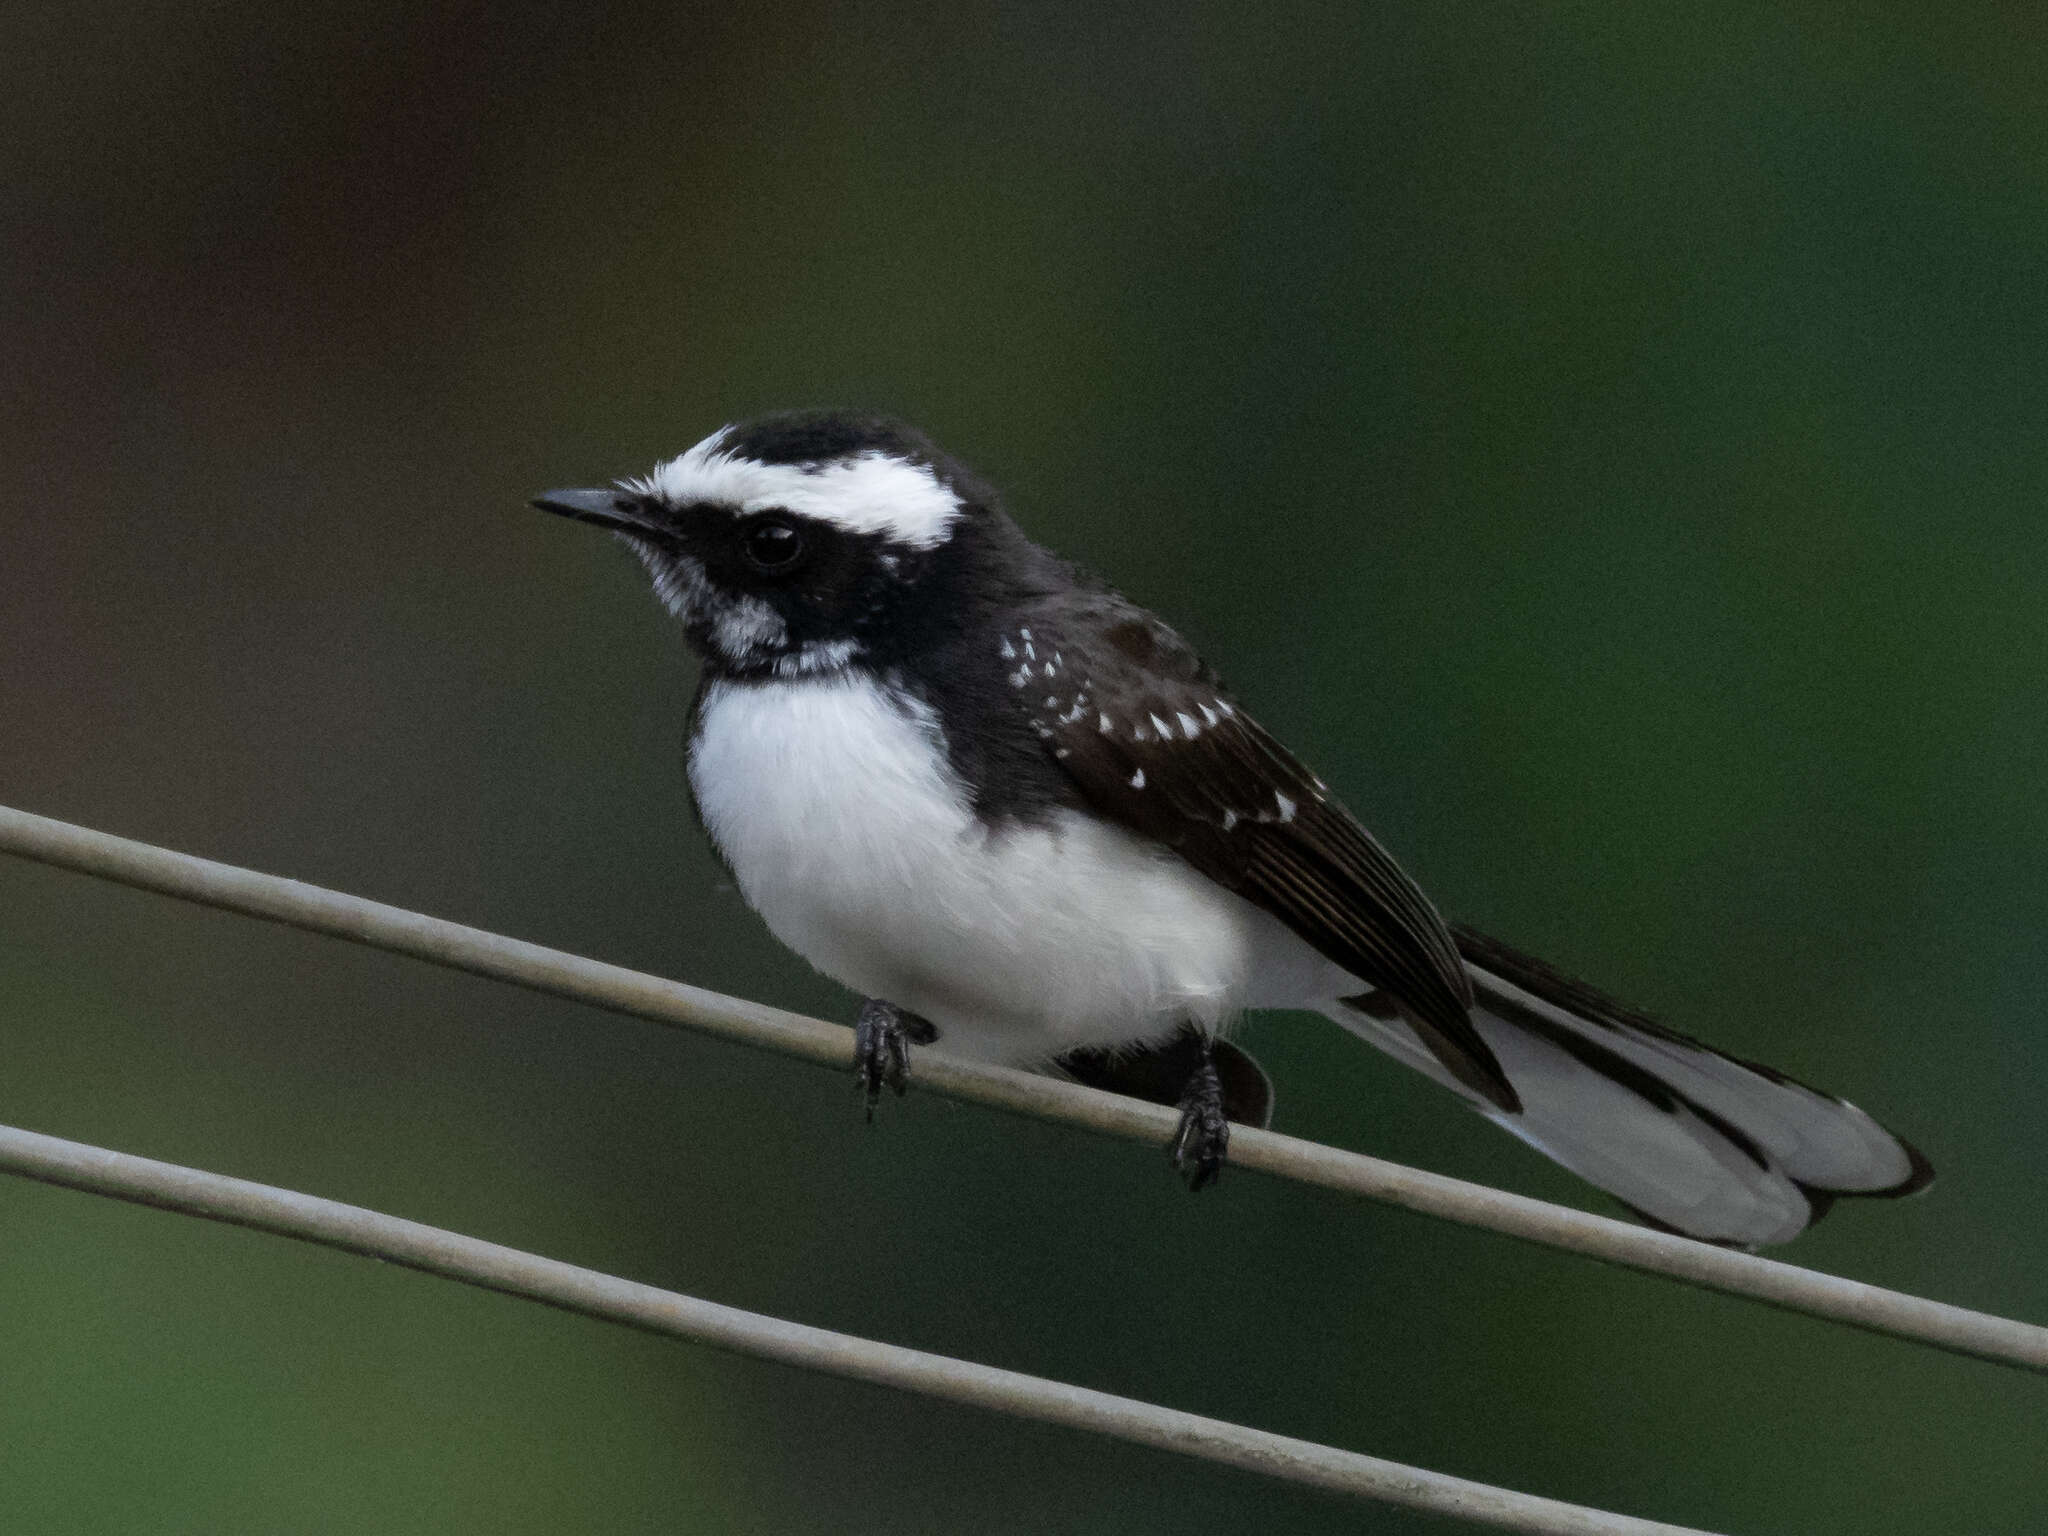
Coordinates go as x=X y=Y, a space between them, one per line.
x=1687 y=1137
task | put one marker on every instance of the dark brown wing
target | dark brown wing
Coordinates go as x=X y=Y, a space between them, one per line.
x=1142 y=727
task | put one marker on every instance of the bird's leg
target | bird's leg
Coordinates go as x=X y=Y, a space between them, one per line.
x=1198 y=1146
x=882 y=1037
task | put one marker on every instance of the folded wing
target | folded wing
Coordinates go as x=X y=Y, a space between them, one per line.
x=1145 y=733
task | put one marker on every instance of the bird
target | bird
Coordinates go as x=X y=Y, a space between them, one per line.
x=1019 y=816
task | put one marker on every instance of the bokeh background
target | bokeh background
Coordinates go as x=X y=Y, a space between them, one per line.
x=1607 y=440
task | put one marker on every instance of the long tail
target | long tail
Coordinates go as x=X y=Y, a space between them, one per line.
x=1686 y=1137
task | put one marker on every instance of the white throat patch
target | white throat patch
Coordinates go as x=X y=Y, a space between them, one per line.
x=873 y=493
x=740 y=627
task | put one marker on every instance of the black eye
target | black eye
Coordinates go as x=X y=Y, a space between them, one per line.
x=771 y=544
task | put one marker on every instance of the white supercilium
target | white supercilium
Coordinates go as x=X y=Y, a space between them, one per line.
x=872 y=493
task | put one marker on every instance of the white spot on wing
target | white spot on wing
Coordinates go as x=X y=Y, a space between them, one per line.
x=1008 y=651
x=1165 y=731
x=1286 y=808
x=1210 y=715
x=1138 y=779
x=1189 y=726
x=1105 y=725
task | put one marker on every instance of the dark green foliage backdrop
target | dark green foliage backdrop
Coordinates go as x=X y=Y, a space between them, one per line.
x=1608 y=442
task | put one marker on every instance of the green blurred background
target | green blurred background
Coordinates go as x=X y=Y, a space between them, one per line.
x=1607 y=440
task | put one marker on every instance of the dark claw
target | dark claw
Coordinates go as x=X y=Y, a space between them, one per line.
x=1199 y=1145
x=882 y=1037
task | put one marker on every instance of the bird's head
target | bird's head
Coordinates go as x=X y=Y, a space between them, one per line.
x=791 y=544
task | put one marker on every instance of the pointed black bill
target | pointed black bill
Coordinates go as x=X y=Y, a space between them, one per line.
x=614 y=509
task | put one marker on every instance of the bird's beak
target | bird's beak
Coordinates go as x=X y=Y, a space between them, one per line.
x=612 y=509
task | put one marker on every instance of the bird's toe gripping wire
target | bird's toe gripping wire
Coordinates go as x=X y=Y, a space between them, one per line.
x=1203 y=1137
x=882 y=1037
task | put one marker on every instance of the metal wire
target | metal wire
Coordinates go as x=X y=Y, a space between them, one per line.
x=472 y=1261
x=2001 y=1340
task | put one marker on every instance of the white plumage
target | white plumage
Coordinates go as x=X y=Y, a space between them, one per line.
x=832 y=801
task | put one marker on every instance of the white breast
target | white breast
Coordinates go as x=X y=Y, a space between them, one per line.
x=833 y=802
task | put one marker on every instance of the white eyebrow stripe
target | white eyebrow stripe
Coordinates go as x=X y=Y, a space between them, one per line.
x=873 y=493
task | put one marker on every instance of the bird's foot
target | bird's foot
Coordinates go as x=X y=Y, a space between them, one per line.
x=882 y=1037
x=1199 y=1145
